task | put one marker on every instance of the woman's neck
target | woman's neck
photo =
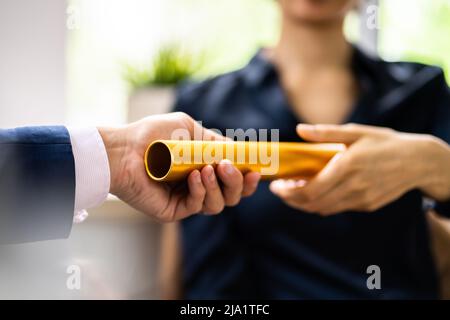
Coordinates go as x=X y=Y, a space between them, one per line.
x=305 y=47
x=314 y=67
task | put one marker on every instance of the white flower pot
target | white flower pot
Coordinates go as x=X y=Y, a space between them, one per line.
x=148 y=101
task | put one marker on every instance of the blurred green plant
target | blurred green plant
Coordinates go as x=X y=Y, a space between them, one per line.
x=170 y=66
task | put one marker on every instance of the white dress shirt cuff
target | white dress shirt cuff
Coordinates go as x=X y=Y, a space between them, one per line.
x=92 y=176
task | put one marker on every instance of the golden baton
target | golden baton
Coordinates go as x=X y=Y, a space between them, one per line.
x=172 y=160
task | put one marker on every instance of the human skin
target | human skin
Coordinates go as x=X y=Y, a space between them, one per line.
x=168 y=202
x=313 y=60
x=378 y=167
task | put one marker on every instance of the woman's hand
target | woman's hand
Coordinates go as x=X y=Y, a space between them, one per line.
x=379 y=166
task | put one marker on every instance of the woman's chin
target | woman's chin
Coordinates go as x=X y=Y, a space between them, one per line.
x=313 y=18
x=315 y=11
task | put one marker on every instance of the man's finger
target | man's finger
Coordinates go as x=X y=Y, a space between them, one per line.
x=193 y=202
x=251 y=181
x=214 y=201
x=232 y=181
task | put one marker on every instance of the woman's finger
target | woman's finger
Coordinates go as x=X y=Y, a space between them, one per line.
x=323 y=182
x=288 y=190
x=347 y=133
x=341 y=197
x=335 y=171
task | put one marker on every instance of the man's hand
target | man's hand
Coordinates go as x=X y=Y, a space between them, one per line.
x=378 y=167
x=170 y=201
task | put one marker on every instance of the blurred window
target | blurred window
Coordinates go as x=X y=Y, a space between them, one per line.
x=416 y=30
x=104 y=35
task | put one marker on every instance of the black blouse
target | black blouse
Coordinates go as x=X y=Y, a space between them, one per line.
x=264 y=249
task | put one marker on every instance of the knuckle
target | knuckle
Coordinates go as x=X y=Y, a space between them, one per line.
x=309 y=208
x=181 y=115
x=246 y=192
x=329 y=212
x=345 y=164
x=323 y=133
x=195 y=207
x=358 y=185
x=214 y=187
x=326 y=210
x=351 y=126
x=197 y=193
x=201 y=194
x=372 y=207
x=166 y=219
x=184 y=118
x=386 y=130
x=366 y=201
x=323 y=213
x=234 y=184
x=352 y=163
x=232 y=201
x=320 y=211
x=216 y=208
x=308 y=195
x=351 y=159
x=354 y=187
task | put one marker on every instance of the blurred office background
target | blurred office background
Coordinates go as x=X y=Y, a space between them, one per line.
x=89 y=62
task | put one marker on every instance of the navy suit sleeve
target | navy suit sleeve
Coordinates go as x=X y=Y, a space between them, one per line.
x=37 y=184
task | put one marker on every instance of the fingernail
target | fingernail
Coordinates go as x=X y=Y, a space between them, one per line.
x=212 y=176
x=228 y=166
x=229 y=169
x=197 y=177
x=275 y=185
x=300 y=183
x=290 y=184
